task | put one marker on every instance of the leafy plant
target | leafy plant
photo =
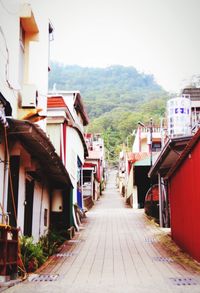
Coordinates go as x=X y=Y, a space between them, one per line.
x=35 y=254
x=31 y=253
x=51 y=242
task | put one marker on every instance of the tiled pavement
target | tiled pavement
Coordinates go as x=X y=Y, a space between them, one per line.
x=115 y=251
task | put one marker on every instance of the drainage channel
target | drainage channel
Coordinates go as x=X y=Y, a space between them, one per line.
x=43 y=278
x=183 y=281
x=163 y=259
x=150 y=240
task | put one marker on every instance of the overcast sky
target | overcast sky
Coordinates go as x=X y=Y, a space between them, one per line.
x=161 y=37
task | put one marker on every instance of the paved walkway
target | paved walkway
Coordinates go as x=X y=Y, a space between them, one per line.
x=115 y=251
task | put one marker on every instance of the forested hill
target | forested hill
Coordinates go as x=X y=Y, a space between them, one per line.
x=116 y=97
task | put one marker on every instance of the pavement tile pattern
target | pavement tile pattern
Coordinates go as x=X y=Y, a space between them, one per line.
x=115 y=251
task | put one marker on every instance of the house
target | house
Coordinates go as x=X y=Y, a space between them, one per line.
x=184 y=195
x=66 y=118
x=35 y=176
x=194 y=96
x=183 y=122
x=35 y=186
x=166 y=159
x=94 y=171
x=146 y=147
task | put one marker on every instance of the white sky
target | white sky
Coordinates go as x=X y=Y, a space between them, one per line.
x=161 y=37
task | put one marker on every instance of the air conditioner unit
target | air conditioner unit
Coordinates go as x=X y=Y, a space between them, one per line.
x=29 y=96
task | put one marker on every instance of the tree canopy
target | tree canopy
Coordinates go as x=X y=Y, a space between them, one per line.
x=116 y=98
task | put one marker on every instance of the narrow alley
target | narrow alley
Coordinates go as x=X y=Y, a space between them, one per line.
x=115 y=251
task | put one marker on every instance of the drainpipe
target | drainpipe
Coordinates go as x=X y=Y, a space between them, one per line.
x=160 y=200
x=4 y=122
x=82 y=187
x=5 y=184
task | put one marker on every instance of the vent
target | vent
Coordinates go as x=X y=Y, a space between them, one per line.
x=43 y=278
x=183 y=281
x=149 y=240
x=163 y=259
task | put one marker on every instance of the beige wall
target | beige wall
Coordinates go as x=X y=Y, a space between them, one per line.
x=9 y=40
x=36 y=53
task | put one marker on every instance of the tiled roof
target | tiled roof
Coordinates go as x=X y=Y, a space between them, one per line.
x=56 y=102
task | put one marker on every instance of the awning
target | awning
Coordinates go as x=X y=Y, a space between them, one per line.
x=35 y=141
x=146 y=161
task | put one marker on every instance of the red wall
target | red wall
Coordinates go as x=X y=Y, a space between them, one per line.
x=184 y=195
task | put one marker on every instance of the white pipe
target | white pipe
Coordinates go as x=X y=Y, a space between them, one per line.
x=160 y=200
x=5 y=181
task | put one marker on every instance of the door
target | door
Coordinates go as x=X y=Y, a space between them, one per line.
x=28 y=207
x=12 y=203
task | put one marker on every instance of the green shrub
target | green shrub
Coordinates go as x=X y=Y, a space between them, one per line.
x=51 y=241
x=35 y=254
x=31 y=253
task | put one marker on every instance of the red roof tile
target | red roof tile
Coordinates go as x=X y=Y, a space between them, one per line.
x=56 y=102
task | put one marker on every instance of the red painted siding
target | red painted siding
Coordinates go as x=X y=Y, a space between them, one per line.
x=184 y=193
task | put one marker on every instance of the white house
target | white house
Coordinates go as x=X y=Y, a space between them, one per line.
x=66 y=118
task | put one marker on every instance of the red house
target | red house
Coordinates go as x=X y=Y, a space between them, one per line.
x=184 y=196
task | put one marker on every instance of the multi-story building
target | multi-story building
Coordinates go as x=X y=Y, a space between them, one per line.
x=30 y=168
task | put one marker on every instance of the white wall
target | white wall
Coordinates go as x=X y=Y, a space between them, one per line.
x=135 y=197
x=37 y=54
x=40 y=203
x=9 y=38
x=74 y=148
x=54 y=132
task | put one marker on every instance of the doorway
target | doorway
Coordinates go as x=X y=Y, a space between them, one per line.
x=28 y=207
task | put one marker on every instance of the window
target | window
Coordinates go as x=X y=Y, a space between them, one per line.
x=156 y=146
